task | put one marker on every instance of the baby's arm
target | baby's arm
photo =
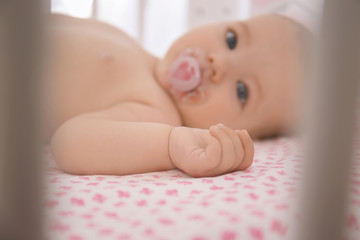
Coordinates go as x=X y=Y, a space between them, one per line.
x=101 y=144
x=87 y=145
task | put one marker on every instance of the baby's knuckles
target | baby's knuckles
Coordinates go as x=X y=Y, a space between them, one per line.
x=185 y=160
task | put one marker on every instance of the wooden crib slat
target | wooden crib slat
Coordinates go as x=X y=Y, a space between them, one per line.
x=331 y=122
x=20 y=175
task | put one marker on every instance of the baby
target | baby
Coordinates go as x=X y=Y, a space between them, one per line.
x=116 y=109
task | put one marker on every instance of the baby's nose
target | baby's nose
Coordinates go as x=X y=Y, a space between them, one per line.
x=217 y=67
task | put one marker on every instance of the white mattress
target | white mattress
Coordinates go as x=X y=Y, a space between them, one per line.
x=253 y=204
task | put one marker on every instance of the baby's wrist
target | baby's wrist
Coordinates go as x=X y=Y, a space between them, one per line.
x=169 y=146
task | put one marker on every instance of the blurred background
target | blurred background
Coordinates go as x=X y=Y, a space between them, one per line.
x=157 y=23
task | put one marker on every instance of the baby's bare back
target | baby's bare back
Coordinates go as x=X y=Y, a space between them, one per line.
x=94 y=66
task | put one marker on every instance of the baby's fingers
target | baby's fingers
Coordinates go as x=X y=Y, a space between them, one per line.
x=227 y=149
x=248 y=146
x=237 y=146
x=212 y=152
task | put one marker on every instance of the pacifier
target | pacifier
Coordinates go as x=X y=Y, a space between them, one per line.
x=184 y=75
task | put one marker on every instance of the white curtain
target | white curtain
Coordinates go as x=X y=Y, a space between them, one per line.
x=163 y=20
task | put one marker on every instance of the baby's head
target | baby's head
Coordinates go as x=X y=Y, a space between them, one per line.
x=247 y=75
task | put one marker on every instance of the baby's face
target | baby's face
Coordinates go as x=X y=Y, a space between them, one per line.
x=246 y=75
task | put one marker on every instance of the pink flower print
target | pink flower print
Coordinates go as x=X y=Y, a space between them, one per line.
x=154 y=211
x=160 y=184
x=258 y=213
x=253 y=196
x=278 y=227
x=247 y=176
x=146 y=191
x=282 y=207
x=227 y=178
x=234 y=219
x=172 y=192
x=204 y=203
x=214 y=187
x=282 y=173
x=256 y=233
x=123 y=194
x=176 y=176
x=230 y=199
x=199 y=238
x=155 y=176
x=352 y=222
x=149 y=232
x=272 y=178
x=119 y=204
x=141 y=203
x=75 y=182
x=111 y=214
x=249 y=187
x=135 y=223
x=207 y=180
x=59 y=194
x=87 y=216
x=100 y=178
x=356 y=183
x=60 y=227
x=124 y=237
x=232 y=192
x=161 y=202
x=196 y=217
x=54 y=180
x=195 y=192
x=166 y=221
x=66 y=213
x=269 y=185
x=271 y=192
x=177 y=209
x=84 y=178
x=112 y=182
x=75 y=237
x=65 y=187
x=86 y=190
x=106 y=232
x=355 y=191
x=51 y=203
x=99 y=198
x=184 y=182
x=228 y=235
x=77 y=201
x=92 y=184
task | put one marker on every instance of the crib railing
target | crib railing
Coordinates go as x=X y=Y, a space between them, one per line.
x=21 y=41
x=331 y=121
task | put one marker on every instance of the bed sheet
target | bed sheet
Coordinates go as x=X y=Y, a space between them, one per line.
x=252 y=204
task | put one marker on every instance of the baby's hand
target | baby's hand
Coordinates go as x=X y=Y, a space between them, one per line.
x=206 y=153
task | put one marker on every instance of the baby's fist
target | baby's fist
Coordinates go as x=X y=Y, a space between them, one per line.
x=204 y=153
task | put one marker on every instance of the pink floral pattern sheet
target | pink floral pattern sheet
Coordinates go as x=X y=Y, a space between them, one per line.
x=252 y=204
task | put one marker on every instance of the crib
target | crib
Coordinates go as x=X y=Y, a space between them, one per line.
x=281 y=196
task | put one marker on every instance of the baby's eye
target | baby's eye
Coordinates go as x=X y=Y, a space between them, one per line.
x=242 y=92
x=231 y=40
